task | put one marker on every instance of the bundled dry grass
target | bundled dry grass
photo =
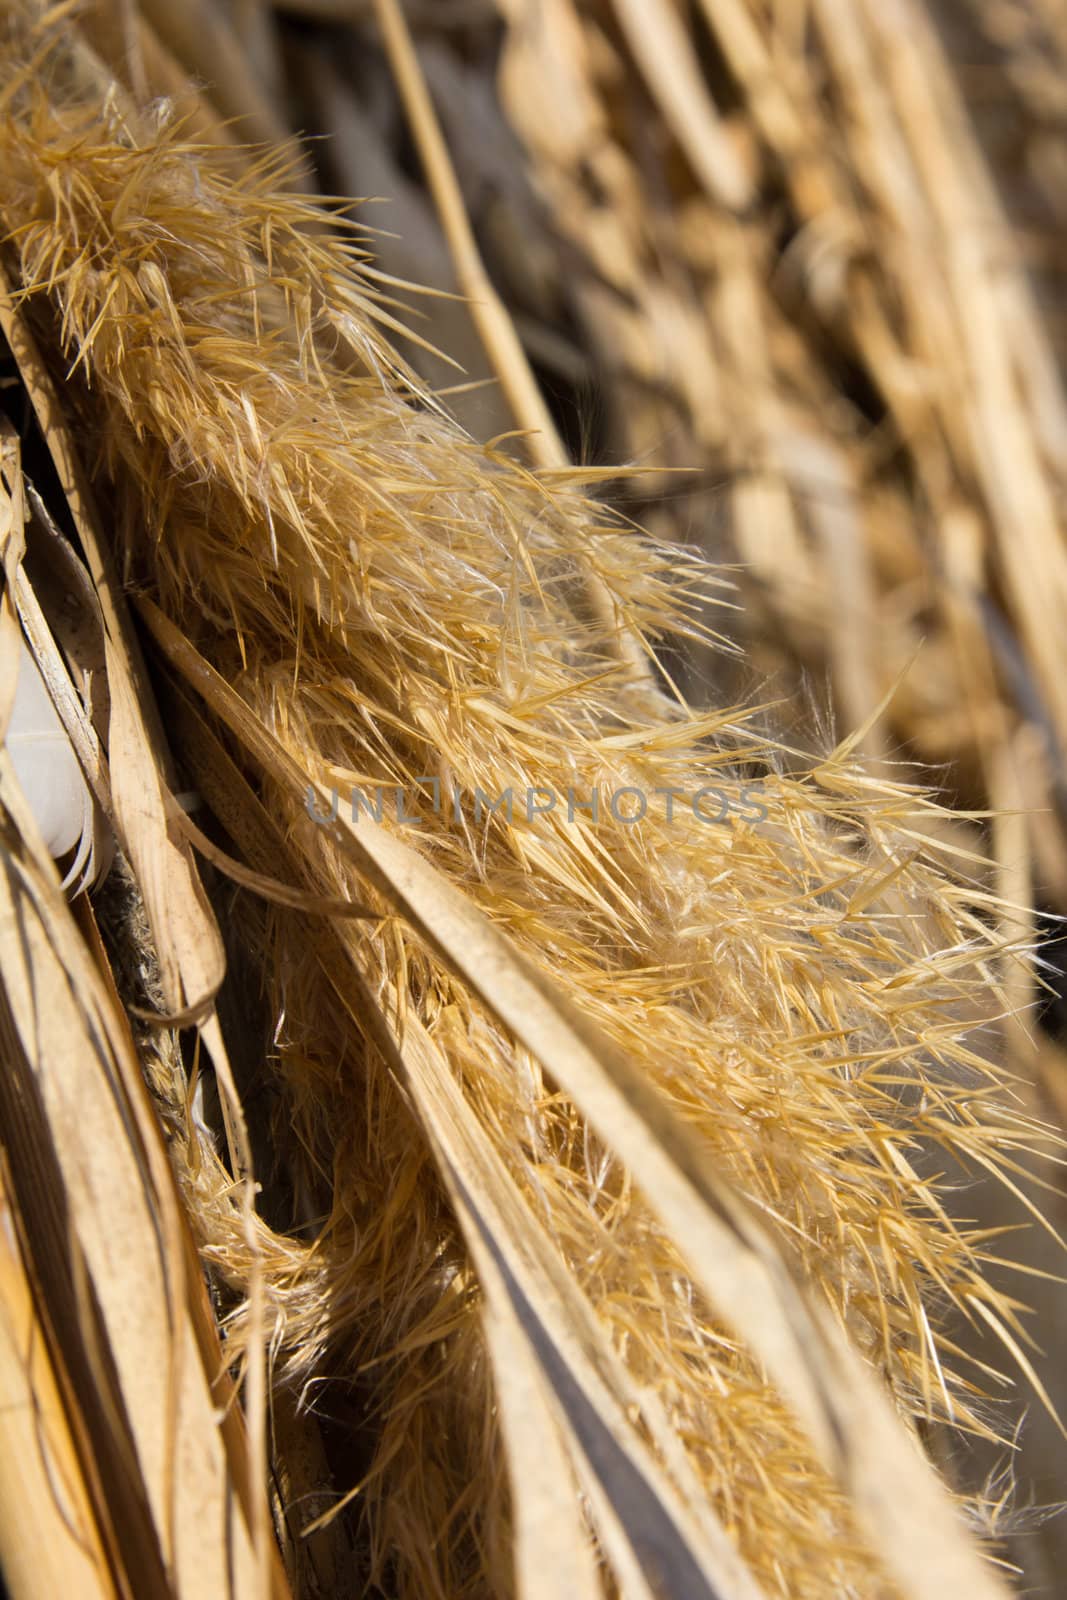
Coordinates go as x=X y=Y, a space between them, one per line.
x=604 y=1218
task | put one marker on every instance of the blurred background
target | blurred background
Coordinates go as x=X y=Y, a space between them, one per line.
x=799 y=267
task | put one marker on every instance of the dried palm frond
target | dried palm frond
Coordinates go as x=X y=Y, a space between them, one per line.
x=604 y=1221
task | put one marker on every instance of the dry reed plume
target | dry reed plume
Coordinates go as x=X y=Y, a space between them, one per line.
x=604 y=1218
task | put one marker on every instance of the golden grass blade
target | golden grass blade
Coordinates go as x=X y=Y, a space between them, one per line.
x=553 y=1552
x=96 y=1196
x=48 y=1538
x=189 y=947
x=278 y=893
x=495 y=326
x=12 y=546
x=62 y=751
x=71 y=712
x=41 y=717
x=654 y=1532
x=187 y=939
x=665 y=58
x=491 y=319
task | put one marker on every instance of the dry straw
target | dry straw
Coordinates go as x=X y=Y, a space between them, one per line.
x=601 y=1231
